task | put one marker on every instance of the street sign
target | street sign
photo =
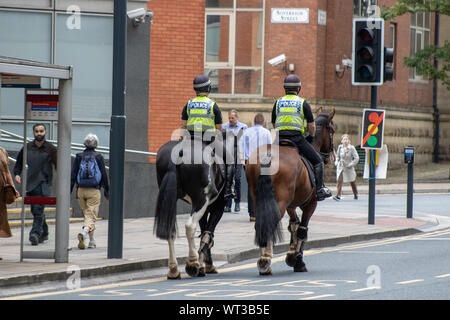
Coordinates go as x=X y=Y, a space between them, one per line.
x=20 y=81
x=372 y=129
x=42 y=106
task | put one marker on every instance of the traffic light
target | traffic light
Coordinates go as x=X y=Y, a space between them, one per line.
x=372 y=129
x=368 y=51
x=388 y=59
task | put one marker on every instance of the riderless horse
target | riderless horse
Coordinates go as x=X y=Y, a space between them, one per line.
x=286 y=184
x=192 y=170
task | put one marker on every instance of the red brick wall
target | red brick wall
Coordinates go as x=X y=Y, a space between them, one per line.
x=176 y=57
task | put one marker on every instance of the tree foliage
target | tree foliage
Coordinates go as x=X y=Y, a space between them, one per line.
x=423 y=60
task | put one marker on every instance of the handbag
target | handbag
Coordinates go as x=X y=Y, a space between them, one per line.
x=9 y=193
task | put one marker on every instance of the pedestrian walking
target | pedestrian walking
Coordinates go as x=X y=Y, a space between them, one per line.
x=5 y=179
x=41 y=156
x=238 y=129
x=346 y=160
x=253 y=138
x=89 y=174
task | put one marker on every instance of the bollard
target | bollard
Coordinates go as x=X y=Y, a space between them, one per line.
x=409 y=159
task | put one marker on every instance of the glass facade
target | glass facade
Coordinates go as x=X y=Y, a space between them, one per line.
x=84 y=41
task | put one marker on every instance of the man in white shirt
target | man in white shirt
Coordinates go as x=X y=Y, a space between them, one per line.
x=238 y=129
x=253 y=138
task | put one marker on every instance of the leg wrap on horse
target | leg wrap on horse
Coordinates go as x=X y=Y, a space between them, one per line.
x=206 y=242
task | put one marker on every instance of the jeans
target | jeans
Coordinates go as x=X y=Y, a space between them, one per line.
x=237 y=186
x=40 y=227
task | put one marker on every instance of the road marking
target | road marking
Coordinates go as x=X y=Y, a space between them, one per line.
x=356 y=251
x=365 y=289
x=318 y=297
x=410 y=281
x=235 y=268
x=443 y=275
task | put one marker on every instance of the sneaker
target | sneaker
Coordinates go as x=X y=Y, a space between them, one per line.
x=227 y=209
x=337 y=198
x=252 y=219
x=43 y=238
x=237 y=207
x=355 y=197
x=82 y=237
x=92 y=244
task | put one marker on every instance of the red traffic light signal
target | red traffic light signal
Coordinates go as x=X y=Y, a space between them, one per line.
x=372 y=129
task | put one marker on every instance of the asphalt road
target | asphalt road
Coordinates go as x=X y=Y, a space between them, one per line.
x=405 y=268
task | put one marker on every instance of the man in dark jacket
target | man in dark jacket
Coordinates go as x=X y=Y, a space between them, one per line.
x=88 y=188
x=40 y=157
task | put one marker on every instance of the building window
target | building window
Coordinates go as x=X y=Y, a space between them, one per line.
x=392 y=44
x=234 y=46
x=419 y=38
x=362 y=8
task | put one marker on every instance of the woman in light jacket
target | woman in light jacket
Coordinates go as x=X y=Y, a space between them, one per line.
x=346 y=160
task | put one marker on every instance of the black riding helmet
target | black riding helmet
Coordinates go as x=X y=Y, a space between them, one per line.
x=202 y=83
x=292 y=83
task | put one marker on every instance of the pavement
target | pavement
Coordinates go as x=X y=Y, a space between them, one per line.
x=144 y=255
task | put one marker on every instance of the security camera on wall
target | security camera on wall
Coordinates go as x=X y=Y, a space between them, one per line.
x=277 y=60
x=137 y=13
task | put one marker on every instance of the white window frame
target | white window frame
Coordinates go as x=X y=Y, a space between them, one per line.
x=421 y=31
x=230 y=64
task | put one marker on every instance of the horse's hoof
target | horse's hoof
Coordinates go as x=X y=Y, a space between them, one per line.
x=201 y=272
x=209 y=268
x=173 y=276
x=291 y=259
x=264 y=266
x=192 y=269
x=300 y=267
x=267 y=273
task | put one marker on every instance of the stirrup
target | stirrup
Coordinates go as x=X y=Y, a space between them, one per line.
x=323 y=193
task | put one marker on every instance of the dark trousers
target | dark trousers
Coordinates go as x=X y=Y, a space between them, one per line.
x=251 y=213
x=237 y=185
x=306 y=149
x=40 y=227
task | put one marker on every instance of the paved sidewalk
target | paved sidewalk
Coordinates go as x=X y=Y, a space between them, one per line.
x=234 y=241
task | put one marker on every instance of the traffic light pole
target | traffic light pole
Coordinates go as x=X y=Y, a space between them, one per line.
x=373 y=105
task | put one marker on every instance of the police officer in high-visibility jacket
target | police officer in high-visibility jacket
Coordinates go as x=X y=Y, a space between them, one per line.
x=293 y=118
x=202 y=114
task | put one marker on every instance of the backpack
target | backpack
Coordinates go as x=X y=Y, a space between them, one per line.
x=89 y=174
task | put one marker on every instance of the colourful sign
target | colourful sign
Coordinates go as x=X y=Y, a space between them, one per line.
x=372 y=129
x=42 y=106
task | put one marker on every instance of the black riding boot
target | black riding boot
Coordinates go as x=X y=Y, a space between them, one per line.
x=322 y=191
x=229 y=170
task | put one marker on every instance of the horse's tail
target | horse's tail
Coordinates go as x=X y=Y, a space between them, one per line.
x=166 y=205
x=267 y=212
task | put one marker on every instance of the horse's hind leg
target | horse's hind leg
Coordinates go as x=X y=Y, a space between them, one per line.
x=192 y=265
x=173 y=265
x=298 y=230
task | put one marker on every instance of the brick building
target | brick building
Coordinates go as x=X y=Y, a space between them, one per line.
x=232 y=41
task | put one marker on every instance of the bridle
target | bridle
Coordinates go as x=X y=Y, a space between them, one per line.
x=320 y=124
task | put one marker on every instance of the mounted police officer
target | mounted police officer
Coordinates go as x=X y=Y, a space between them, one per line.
x=202 y=114
x=293 y=118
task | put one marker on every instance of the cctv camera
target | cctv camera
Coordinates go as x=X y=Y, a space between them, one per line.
x=277 y=60
x=137 y=13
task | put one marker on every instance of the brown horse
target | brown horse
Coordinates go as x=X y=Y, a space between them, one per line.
x=281 y=182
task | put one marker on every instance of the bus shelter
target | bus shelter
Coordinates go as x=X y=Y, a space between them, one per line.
x=11 y=67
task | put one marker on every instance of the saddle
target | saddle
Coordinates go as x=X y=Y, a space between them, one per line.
x=308 y=165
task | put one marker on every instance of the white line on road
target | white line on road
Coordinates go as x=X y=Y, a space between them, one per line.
x=318 y=297
x=443 y=275
x=365 y=289
x=355 y=251
x=410 y=281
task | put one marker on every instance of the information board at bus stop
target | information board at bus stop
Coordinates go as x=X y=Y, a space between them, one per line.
x=42 y=106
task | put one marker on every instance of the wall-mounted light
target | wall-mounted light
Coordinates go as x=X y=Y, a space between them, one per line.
x=340 y=68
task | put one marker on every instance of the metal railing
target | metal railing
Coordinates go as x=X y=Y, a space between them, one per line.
x=7 y=136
